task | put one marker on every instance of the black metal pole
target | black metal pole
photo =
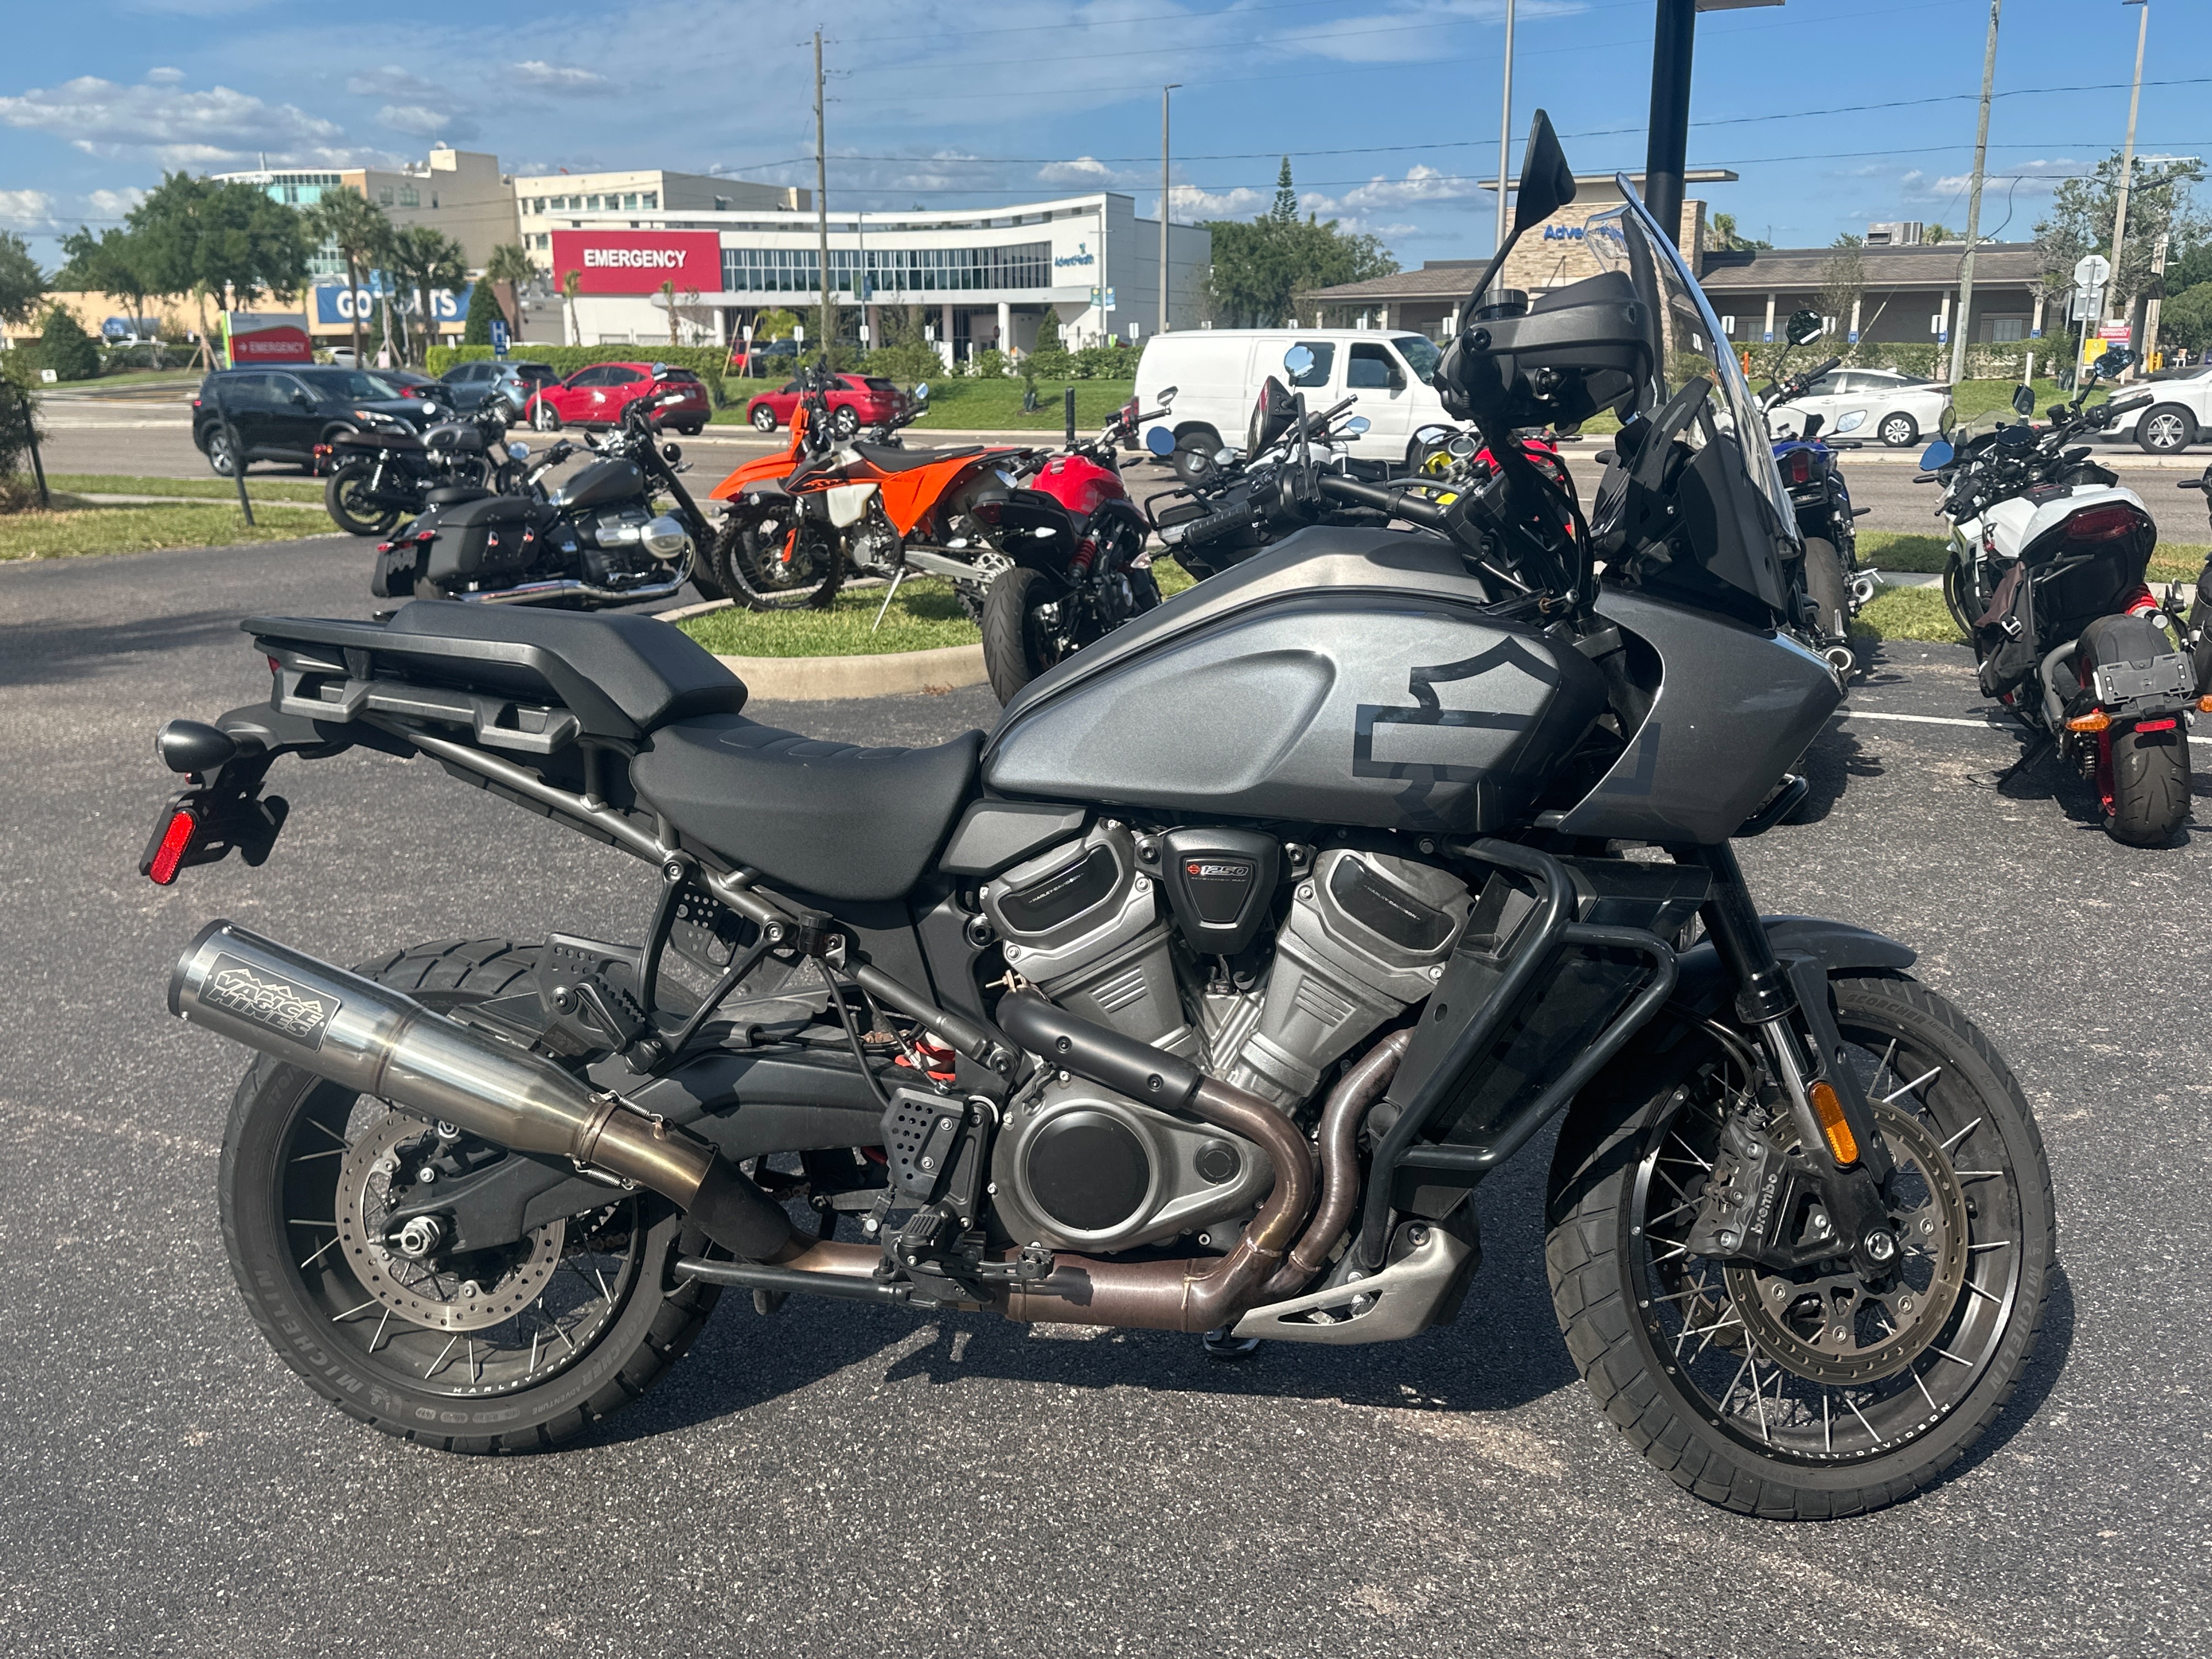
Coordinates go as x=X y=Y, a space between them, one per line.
x=237 y=449
x=1666 y=150
x=1068 y=409
x=31 y=431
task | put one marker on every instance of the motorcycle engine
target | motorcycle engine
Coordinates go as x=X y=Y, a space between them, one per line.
x=627 y=541
x=1367 y=935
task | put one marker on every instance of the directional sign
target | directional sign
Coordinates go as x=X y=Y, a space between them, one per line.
x=498 y=337
x=2087 y=306
x=2092 y=271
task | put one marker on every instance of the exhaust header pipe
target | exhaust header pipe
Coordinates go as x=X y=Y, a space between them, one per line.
x=375 y=1040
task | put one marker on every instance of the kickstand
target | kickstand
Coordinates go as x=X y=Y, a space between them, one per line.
x=2035 y=751
x=1222 y=1345
x=897 y=576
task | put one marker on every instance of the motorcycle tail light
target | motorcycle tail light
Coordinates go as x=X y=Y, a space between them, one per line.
x=176 y=842
x=2164 y=725
x=1800 y=466
x=2095 y=721
x=1833 y=1124
x=2102 y=524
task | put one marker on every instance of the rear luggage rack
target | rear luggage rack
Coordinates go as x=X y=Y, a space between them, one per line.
x=316 y=693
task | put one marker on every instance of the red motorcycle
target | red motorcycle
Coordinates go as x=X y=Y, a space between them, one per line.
x=1072 y=543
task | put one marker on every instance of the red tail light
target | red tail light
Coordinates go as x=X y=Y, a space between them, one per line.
x=176 y=842
x=1800 y=466
x=2166 y=724
x=2101 y=523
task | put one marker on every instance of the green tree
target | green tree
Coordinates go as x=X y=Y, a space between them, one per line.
x=2186 y=319
x=203 y=237
x=1286 y=209
x=1047 y=338
x=1936 y=235
x=22 y=284
x=66 y=349
x=1727 y=238
x=1260 y=267
x=425 y=259
x=507 y=270
x=2080 y=222
x=347 y=223
x=483 y=306
x=112 y=263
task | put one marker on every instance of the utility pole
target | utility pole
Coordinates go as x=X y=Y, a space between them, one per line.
x=2127 y=152
x=828 y=325
x=1505 y=129
x=1164 y=198
x=1974 y=200
x=1666 y=149
x=2152 y=306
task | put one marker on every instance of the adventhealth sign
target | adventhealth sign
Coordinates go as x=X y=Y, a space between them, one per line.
x=638 y=261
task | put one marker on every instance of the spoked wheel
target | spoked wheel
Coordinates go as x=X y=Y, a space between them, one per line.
x=1024 y=629
x=1813 y=1393
x=779 y=562
x=510 y=1348
x=974 y=593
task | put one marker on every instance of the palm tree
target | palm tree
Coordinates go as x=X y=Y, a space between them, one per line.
x=428 y=259
x=570 y=281
x=507 y=269
x=668 y=299
x=358 y=229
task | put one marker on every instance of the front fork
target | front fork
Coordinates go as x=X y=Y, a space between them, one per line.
x=1786 y=1004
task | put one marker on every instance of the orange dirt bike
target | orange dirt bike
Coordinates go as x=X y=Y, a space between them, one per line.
x=772 y=554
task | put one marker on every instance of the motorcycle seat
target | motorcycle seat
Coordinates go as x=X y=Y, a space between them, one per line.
x=885 y=458
x=454 y=494
x=835 y=819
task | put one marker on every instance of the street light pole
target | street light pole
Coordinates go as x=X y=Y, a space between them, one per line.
x=2127 y=152
x=1506 y=128
x=822 y=200
x=1164 y=199
x=1974 y=200
x=1667 y=148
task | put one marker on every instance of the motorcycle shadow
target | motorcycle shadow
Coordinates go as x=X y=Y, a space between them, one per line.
x=2046 y=778
x=1504 y=1351
x=1830 y=762
x=2054 y=1346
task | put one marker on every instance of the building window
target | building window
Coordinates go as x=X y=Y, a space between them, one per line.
x=629 y=198
x=383 y=194
x=651 y=199
x=891 y=271
x=2005 y=328
x=410 y=197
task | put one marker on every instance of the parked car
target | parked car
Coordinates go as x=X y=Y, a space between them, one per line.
x=1868 y=403
x=595 y=396
x=2179 y=414
x=1218 y=373
x=342 y=357
x=771 y=359
x=469 y=384
x=280 y=415
x=858 y=400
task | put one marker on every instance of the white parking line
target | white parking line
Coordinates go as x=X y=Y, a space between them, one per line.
x=1939 y=720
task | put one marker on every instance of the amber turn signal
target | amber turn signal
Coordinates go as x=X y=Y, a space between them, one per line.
x=2204 y=705
x=1830 y=1111
x=2095 y=721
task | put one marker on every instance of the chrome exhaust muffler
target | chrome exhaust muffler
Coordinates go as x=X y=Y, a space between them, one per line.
x=380 y=1041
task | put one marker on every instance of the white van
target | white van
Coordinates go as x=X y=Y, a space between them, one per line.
x=1216 y=374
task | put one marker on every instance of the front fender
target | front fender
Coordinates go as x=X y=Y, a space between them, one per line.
x=1702 y=984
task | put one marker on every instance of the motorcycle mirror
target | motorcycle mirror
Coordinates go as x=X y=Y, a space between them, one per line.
x=1356 y=424
x=2023 y=400
x=1936 y=455
x=661 y=371
x=2114 y=363
x=1460 y=449
x=1298 y=361
x=1805 y=327
x=1852 y=422
x=672 y=452
x=1948 y=423
x=1160 y=442
x=1167 y=396
x=1433 y=435
x=1547 y=183
x=1224 y=456
x=922 y=392
x=518 y=452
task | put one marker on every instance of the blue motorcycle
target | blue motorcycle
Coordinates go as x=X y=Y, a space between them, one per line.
x=1831 y=584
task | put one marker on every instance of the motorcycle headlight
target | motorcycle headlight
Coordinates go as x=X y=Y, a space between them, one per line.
x=664 y=538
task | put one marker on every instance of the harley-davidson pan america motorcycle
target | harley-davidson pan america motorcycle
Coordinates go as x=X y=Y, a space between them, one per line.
x=1200 y=996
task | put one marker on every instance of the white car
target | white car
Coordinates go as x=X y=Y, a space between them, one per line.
x=1868 y=403
x=2179 y=415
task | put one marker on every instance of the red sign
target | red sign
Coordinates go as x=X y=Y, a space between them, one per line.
x=638 y=261
x=271 y=345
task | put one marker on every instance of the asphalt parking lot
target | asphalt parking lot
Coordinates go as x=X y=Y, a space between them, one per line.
x=842 y=1481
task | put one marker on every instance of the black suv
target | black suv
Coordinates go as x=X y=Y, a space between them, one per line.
x=470 y=384
x=281 y=413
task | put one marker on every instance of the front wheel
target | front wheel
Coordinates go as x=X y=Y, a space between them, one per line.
x=762 y=418
x=351 y=506
x=1025 y=632
x=778 y=561
x=1815 y=1393
x=543 y=418
x=513 y=1347
x=1898 y=430
x=2165 y=430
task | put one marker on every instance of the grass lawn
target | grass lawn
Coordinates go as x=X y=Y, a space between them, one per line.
x=1925 y=555
x=983 y=405
x=923 y=618
x=1907 y=613
x=258 y=489
x=74 y=530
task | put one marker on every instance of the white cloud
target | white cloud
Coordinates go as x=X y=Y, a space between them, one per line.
x=113 y=203
x=425 y=122
x=390 y=80
x=535 y=72
x=1422 y=187
x=27 y=209
x=1191 y=203
x=164 y=77
x=176 y=127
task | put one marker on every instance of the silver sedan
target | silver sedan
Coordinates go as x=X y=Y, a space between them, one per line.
x=1868 y=403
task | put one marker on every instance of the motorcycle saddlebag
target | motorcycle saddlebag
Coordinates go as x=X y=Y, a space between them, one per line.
x=2004 y=636
x=489 y=540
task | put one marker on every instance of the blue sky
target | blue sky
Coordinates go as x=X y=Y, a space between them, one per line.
x=1389 y=109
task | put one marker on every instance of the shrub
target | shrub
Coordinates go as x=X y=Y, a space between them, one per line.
x=908 y=363
x=18 y=413
x=1051 y=362
x=989 y=365
x=707 y=362
x=66 y=349
x=1106 y=362
x=1047 y=337
x=484 y=308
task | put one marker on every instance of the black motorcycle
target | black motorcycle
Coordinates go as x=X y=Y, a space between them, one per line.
x=2197 y=620
x=389 y=471
x=597 y=538
x=1831 y=583
x=1201 y=995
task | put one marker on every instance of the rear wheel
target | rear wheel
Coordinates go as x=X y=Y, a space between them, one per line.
x=779 y=562
x=1811 y=1394
x=1897 y=430
x=1024 y=632
x=512 y=1348
x=1831 y=601
x=762 y=418
x=2165 y=430
x=2143 y=783
x=351 y=507
x=221 y=457
x=543 y=417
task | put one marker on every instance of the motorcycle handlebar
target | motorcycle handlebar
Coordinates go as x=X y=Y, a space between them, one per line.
x=1397 y=503
x=1214 y=526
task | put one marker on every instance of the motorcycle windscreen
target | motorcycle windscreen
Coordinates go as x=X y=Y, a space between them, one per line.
x=1743 y=524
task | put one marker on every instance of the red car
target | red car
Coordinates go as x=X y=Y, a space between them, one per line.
x=597 y=395
x=860 y=400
